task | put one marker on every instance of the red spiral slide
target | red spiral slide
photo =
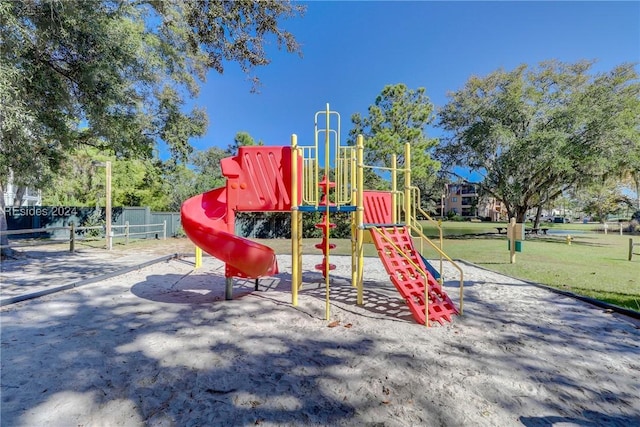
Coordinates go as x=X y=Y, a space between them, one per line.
x=203 y=220
x=258 y=180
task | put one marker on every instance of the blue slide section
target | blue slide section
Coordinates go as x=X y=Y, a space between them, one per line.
x=435 y=273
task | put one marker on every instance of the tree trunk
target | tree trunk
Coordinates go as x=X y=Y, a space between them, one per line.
x=4 y=239
x=536 y=222
x=521 y=213
x=19 y=195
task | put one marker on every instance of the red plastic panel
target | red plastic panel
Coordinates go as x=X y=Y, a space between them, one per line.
x=259 y=179
x=408 y=280
x=377 y=207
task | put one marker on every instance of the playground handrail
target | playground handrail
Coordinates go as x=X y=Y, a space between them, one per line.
x=417 y=208
x=310 y=190
x=448 y=258
x=417 y=267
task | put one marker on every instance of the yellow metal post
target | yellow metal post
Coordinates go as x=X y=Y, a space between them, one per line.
x=441 y=280
x=327 y=154
x=198 y=262
x=354 y=222
x=299 y=249
x=394 y=189
x=295 y=251
x=409 y=219
x=407 y=183
x=360 y=216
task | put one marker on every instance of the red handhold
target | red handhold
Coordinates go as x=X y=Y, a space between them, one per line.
x=325 y=184
x=323 y=201
x=323 y=245
x=322 y=267
x=323 y=225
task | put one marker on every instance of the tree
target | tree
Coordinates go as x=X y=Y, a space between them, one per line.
x=242 y=139
x=80 y=183
x=602 y=198
x=207 y=167
x=536 y=132
x=399 y=115
x=180 y=183
x=115 y=74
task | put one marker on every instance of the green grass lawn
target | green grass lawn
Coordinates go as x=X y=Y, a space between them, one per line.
x=594 y=265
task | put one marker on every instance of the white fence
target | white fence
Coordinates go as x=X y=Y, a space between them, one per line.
x=160 y=231
x=613 y=227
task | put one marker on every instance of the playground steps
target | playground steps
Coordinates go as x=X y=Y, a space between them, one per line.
x=408 y=280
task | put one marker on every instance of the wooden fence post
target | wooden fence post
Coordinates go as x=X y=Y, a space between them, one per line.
x=72 y=237
x=630 y=248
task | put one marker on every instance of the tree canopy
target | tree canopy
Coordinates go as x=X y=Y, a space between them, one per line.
x=115 y=74
x=241 y=139
x=81 y=183
x=398 y=115
x=534 y=132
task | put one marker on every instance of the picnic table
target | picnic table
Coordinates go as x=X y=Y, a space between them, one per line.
x=526 y=230
x=535 y=230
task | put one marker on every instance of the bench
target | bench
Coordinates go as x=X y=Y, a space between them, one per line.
x=536 y=231
x=526 y=231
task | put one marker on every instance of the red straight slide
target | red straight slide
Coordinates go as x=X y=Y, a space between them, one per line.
x=203 y=220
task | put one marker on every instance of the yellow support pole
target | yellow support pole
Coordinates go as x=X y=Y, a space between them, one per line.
x=360 y=216
x=295 y=250
x=407 y=183
x=441 y=280
x=354 y=222
x=327 y=154
x=394 y=189
x=198 y=262
x=299 y=250
x=409 y=219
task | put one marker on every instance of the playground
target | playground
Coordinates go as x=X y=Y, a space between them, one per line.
x=325 y=177
x=231 y=332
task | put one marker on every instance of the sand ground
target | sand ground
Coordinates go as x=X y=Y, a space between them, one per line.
x=160 y=346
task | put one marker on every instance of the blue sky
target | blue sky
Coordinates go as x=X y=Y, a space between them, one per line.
x=351 y=50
